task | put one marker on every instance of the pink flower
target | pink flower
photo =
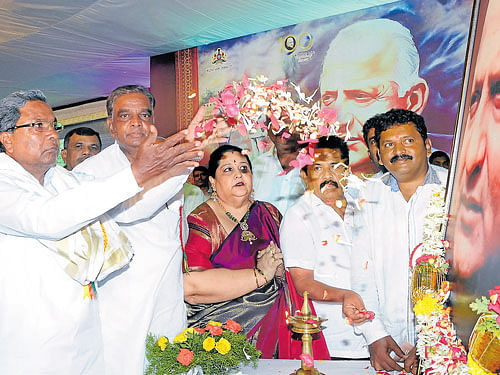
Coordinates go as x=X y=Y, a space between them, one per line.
x=323 y=130
x=209 y=126
x=494 y=305
x=244 y=81
x=185 y=357
x=308 y=359
x=261 y=145
x=242 y=129
x=301 y=161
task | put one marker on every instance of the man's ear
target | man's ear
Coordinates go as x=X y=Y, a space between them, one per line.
x=379 y=159
x=428 y=146
x=5 y=139
x=417 y=96
x=111 y=127
x=64 y=155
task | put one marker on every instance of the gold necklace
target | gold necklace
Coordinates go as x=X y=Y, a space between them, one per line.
x=246 y=235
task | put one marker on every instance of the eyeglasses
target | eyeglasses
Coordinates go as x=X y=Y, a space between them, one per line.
x=41 y=126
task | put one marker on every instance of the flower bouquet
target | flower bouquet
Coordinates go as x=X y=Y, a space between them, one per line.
x=484 y=344
x=216 y=349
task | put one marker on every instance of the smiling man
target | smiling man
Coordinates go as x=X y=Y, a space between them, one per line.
x=80 y=144
x=389 y=228
x=316 y=242
x=370 y=67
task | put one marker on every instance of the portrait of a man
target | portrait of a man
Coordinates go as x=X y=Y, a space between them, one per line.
x=381 y=73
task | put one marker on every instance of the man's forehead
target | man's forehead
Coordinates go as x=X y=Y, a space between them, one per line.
x=400 y=130
x=327 y=155
x=36 y=109
x=83 y=138
x=132 y=100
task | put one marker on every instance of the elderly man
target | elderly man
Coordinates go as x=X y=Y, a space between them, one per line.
x=321 y=222
x=390 y=227
x=476 y=198
x=49 y=321
x=370 y=67
x=80 y=144
x=148 y=296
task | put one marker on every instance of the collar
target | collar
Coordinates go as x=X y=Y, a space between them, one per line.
x=431 y=177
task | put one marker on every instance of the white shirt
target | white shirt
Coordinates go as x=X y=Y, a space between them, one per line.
x=281 y=191
x=314 y=237
x=388 y=229
x=46 y=325
x=193 y=197
x=148 y=295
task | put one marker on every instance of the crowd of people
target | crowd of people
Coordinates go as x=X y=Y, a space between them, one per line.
x=92 y=253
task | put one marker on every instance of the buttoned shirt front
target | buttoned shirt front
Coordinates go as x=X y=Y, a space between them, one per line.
x=387 y=230
x=314 y=237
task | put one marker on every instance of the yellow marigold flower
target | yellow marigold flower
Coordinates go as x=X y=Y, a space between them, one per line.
x=189 y=330
x=162 y=343
x=209 y=344
x=214 y=323
x=427 y=305
x=223 y=346
x=181 y=337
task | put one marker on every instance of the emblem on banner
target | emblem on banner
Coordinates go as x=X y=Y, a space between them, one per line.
x=219 y=56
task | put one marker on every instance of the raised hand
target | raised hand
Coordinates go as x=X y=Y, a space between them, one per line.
x=162 y=160
x=354 y=308
x=220 y=129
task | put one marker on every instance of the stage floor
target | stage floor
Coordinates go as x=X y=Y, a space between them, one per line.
x=286 y=367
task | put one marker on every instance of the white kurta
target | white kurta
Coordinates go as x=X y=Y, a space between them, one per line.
x=387 y=233
x=314 y=237
x=46 y=325
x=148 y=295
x=281 y=191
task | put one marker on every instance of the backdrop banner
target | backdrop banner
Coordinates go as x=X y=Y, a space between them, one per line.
x=408 y=54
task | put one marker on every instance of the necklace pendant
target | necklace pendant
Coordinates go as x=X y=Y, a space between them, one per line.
x=246 y=235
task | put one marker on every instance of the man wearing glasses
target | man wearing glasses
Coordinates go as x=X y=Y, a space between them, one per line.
x=49 y=320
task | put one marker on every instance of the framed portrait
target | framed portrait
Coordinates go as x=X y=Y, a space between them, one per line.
x=474 y=184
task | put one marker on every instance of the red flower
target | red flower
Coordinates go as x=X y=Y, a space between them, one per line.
x=200 y=330
x=214 y=330
x=233 y=326
x=185 y=357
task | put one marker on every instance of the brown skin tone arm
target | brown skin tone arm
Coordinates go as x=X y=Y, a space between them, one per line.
x=222 y=284
x=352 y=304
x=380 y=358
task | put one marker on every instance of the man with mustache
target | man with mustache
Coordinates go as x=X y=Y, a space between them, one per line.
x=49 y=319
x=80 y=144
x=316 y=242
x=388 y=230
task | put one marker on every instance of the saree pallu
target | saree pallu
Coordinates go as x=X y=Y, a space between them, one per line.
x=261 y=313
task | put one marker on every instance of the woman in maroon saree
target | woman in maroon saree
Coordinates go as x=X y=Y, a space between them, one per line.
x=233 y=232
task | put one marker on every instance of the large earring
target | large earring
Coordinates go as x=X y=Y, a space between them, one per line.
x=213 y=195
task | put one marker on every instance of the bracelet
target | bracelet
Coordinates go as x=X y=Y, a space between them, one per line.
x=262 y=273
x=256 y=280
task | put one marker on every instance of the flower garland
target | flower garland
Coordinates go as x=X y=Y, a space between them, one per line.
x=216 y=349
x=439 y=348
x=249 y=104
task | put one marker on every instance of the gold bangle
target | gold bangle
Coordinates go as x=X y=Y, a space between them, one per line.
x=256 y=280
x=262 y=273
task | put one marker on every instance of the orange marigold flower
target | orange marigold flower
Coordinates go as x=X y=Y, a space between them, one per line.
x=185 y=357
x=233 y=326
x=214 y=330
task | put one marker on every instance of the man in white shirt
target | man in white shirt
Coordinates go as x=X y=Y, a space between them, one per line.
x=47 y=325
x=148 y=295
x=274 y=180
x=390 y=228
x=316 y=243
